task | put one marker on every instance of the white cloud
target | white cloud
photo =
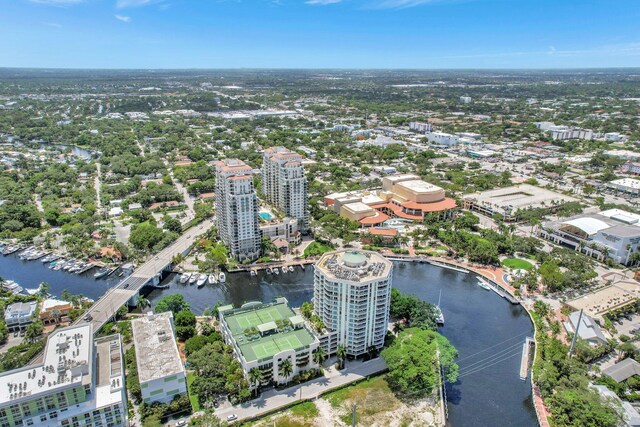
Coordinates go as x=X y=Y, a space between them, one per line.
x=400 y=4
x=322 y=2
x=57 y=2
x=121 y=4
x=53 y=24
x=123 y=18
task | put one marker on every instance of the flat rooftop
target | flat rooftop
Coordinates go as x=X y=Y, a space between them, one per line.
x=603 y=300
x=354 y=266
x=67 y=361
x=627 y=182
x=264 y=318
x=156 y=349
x=519 y=197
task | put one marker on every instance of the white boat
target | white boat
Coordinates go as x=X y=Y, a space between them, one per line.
x=440 y=316
x=483 y=284
x=275 y=270
x=184 y=277
x=212 y=279
x=253 y=273
x=202 y=279
x=222 y=277
x=269 y=271
x=284 y=269
x=302 y=266
x=291 y=269
x=193 y=278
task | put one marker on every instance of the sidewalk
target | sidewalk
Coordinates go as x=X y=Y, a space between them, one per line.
x=272 y=400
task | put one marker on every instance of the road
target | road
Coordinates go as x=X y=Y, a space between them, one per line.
x=274 y=399
x=185 y=194
x=96 y=184
x=116 y=297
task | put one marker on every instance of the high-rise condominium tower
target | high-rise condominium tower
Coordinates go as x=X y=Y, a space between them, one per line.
x=237 y=209
x=284 y=184
x=352 y=296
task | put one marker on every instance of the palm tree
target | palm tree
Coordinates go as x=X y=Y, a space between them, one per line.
x=319 y=355
x=43 y=289
x=285 y=368
x=255 y=376
x=342 y=355
x=56 y=314
x=143 y=303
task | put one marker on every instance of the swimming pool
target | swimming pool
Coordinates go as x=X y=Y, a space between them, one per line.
x=265 y=215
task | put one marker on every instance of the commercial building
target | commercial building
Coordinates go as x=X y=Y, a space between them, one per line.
x=237 y=209
x=403 y=196
x=626 y=185
x=621 y=295
x=508 y=201
x=441 y=138
x=264 y=335
x=420 y=127
x=588 y=329
x=632 y=168
x=465 y=99
x=79 y=384
x=352 y=296
x=160 y=371
x=20 y=314
x=284 y=184
x=613 y=233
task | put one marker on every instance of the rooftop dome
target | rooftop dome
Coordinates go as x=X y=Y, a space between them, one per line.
x=354 y=259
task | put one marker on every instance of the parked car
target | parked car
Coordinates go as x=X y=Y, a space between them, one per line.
x=232 y=417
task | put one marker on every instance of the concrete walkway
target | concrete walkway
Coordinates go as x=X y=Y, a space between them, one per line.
x=272 y=400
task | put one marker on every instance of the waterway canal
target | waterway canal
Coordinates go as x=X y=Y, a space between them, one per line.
x=487 y=330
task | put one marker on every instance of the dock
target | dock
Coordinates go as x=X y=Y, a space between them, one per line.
x=524 y=361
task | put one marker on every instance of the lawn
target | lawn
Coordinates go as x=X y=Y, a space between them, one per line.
x=368 y=395
x=300 y=415
x=316 y=248
x=517 y=263
x=195 y=403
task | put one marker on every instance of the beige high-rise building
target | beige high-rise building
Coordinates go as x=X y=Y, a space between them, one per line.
x=284 y=184
x=352 y=296
x=237 y=209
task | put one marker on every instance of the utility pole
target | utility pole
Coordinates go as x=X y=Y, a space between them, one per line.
x=575 y=334
x=353 y=415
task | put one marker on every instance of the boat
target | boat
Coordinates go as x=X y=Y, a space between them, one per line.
x=302 y=266
x=101 y=273
x=253 y=273
x=439 y=316
x=222 y=277
x=212 y=279
x=202 y=280
x=276 y=271
x=59 y=265
x=12 y=286
x=184 y=277
x=291 y=269
x=268 y=270
x=284 y=269
x=483 y=284
x=193 y=278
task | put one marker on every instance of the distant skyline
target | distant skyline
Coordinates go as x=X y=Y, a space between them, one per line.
x=184 y=34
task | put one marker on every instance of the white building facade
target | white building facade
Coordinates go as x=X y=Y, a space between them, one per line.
x=352 y=296
x=284 y=184
x=237 y=209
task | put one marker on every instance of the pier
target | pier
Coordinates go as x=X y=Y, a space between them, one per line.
x=524 y=361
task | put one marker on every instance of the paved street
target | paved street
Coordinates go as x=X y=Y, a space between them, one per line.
x=274 y=399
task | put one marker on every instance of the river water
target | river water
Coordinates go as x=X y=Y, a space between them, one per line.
x=486 y=329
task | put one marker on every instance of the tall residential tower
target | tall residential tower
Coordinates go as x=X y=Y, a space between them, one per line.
x=237 y=209
x=352 y=296
x=284 y=184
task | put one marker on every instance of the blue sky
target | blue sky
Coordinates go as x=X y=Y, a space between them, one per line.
x=319 y=33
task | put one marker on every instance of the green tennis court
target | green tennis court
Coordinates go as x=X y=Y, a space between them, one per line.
x=288 y=341
x=265 y=349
